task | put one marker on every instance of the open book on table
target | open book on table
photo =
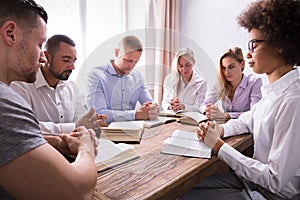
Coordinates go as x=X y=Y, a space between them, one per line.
x=171 y=113
x=125 y=131
x=111 y=154
x=192 y=118
x=159 y=121
x=184 y=143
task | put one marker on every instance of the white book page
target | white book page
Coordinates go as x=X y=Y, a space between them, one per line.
x=108 y=149
x=196 y=116
x=127 y=124
x=185 y=135
x=187 y=144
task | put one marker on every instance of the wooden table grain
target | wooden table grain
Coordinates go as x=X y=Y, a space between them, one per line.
x=160 y=176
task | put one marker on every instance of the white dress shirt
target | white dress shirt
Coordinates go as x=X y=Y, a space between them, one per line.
x=57 y=109
x=192 y=95
x=275 y=124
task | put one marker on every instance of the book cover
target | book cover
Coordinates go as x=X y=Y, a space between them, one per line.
x=184 y=143
x=125 y=131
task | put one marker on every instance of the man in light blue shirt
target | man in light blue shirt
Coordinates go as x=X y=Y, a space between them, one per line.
x=114 y=89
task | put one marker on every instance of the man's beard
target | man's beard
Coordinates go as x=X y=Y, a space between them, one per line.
x=61 y=76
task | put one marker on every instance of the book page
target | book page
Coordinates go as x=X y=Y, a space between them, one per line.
x=127 y=125
x=108 y=149
x=198 y=117
x=184 y=143
x=185 y=135
x=158 y=121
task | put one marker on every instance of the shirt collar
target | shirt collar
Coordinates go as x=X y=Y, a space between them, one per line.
x=196 y=77
x=111 y=69
x=41 y=81
x=279 y=86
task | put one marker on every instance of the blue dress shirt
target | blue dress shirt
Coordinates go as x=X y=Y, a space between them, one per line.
x=115 y=95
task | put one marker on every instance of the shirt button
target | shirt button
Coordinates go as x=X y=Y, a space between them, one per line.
x=58 y=103
x=61 y=116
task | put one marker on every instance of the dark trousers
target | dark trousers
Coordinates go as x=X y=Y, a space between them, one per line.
x=228 y=186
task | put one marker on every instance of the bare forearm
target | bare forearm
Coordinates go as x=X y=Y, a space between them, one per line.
x=86 y=172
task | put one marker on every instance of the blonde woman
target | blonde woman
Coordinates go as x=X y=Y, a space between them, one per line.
x=237 y=91
x=184 y=88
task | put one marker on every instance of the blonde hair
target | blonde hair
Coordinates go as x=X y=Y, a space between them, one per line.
x=224 y=86
x=176 y=76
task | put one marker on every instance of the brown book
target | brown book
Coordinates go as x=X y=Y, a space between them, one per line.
x=125 y=131
x=111 y=155
x=192 y=118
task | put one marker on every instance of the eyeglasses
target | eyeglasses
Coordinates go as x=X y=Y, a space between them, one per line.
x=251 y=45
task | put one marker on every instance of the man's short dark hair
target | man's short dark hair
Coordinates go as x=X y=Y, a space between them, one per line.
x=24 y=12
x=52 y=44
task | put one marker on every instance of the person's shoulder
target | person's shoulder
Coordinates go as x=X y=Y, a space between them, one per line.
x=136 y=74
x=10 y=96
x=20 y=84
x=98 y=71
x=254 y=78
x=198 y=77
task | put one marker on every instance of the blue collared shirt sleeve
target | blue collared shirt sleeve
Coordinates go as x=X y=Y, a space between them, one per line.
x=114 y=95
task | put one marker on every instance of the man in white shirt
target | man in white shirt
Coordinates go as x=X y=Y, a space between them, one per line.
x=56 y=102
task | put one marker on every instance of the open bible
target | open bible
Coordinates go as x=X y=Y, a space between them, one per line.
x=192 y=118
x=184 y=143
x=111 y=154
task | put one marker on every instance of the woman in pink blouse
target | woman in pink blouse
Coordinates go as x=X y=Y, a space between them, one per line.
x=237 y=91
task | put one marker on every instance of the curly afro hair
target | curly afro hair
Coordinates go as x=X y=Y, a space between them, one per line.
x=279 y=21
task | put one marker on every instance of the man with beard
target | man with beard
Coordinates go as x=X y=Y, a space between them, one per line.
x=57 y=103
x=30 y=168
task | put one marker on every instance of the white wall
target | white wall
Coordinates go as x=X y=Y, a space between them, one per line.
x=210 y=27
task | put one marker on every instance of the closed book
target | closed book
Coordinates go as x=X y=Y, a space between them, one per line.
x=184 y=143
x=125 y=131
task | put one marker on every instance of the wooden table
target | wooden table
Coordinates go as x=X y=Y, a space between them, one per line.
x=161 y=176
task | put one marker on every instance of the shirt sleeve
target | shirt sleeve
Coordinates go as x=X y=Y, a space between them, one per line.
x=199 y=99
x=255 y=95
x=211 y=97
x=56 y=129
x=144 y=92
x=281 y=165
x=96 y=97
x=81 y=108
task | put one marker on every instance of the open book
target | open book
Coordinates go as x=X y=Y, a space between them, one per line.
x=171 y=113
x=125 y=131
x=192 y=118
x=111 y=154
x=184 y=143
x=159 y=121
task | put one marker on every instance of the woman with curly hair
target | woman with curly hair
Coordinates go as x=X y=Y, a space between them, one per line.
x=237 y=91
x=274 y=170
